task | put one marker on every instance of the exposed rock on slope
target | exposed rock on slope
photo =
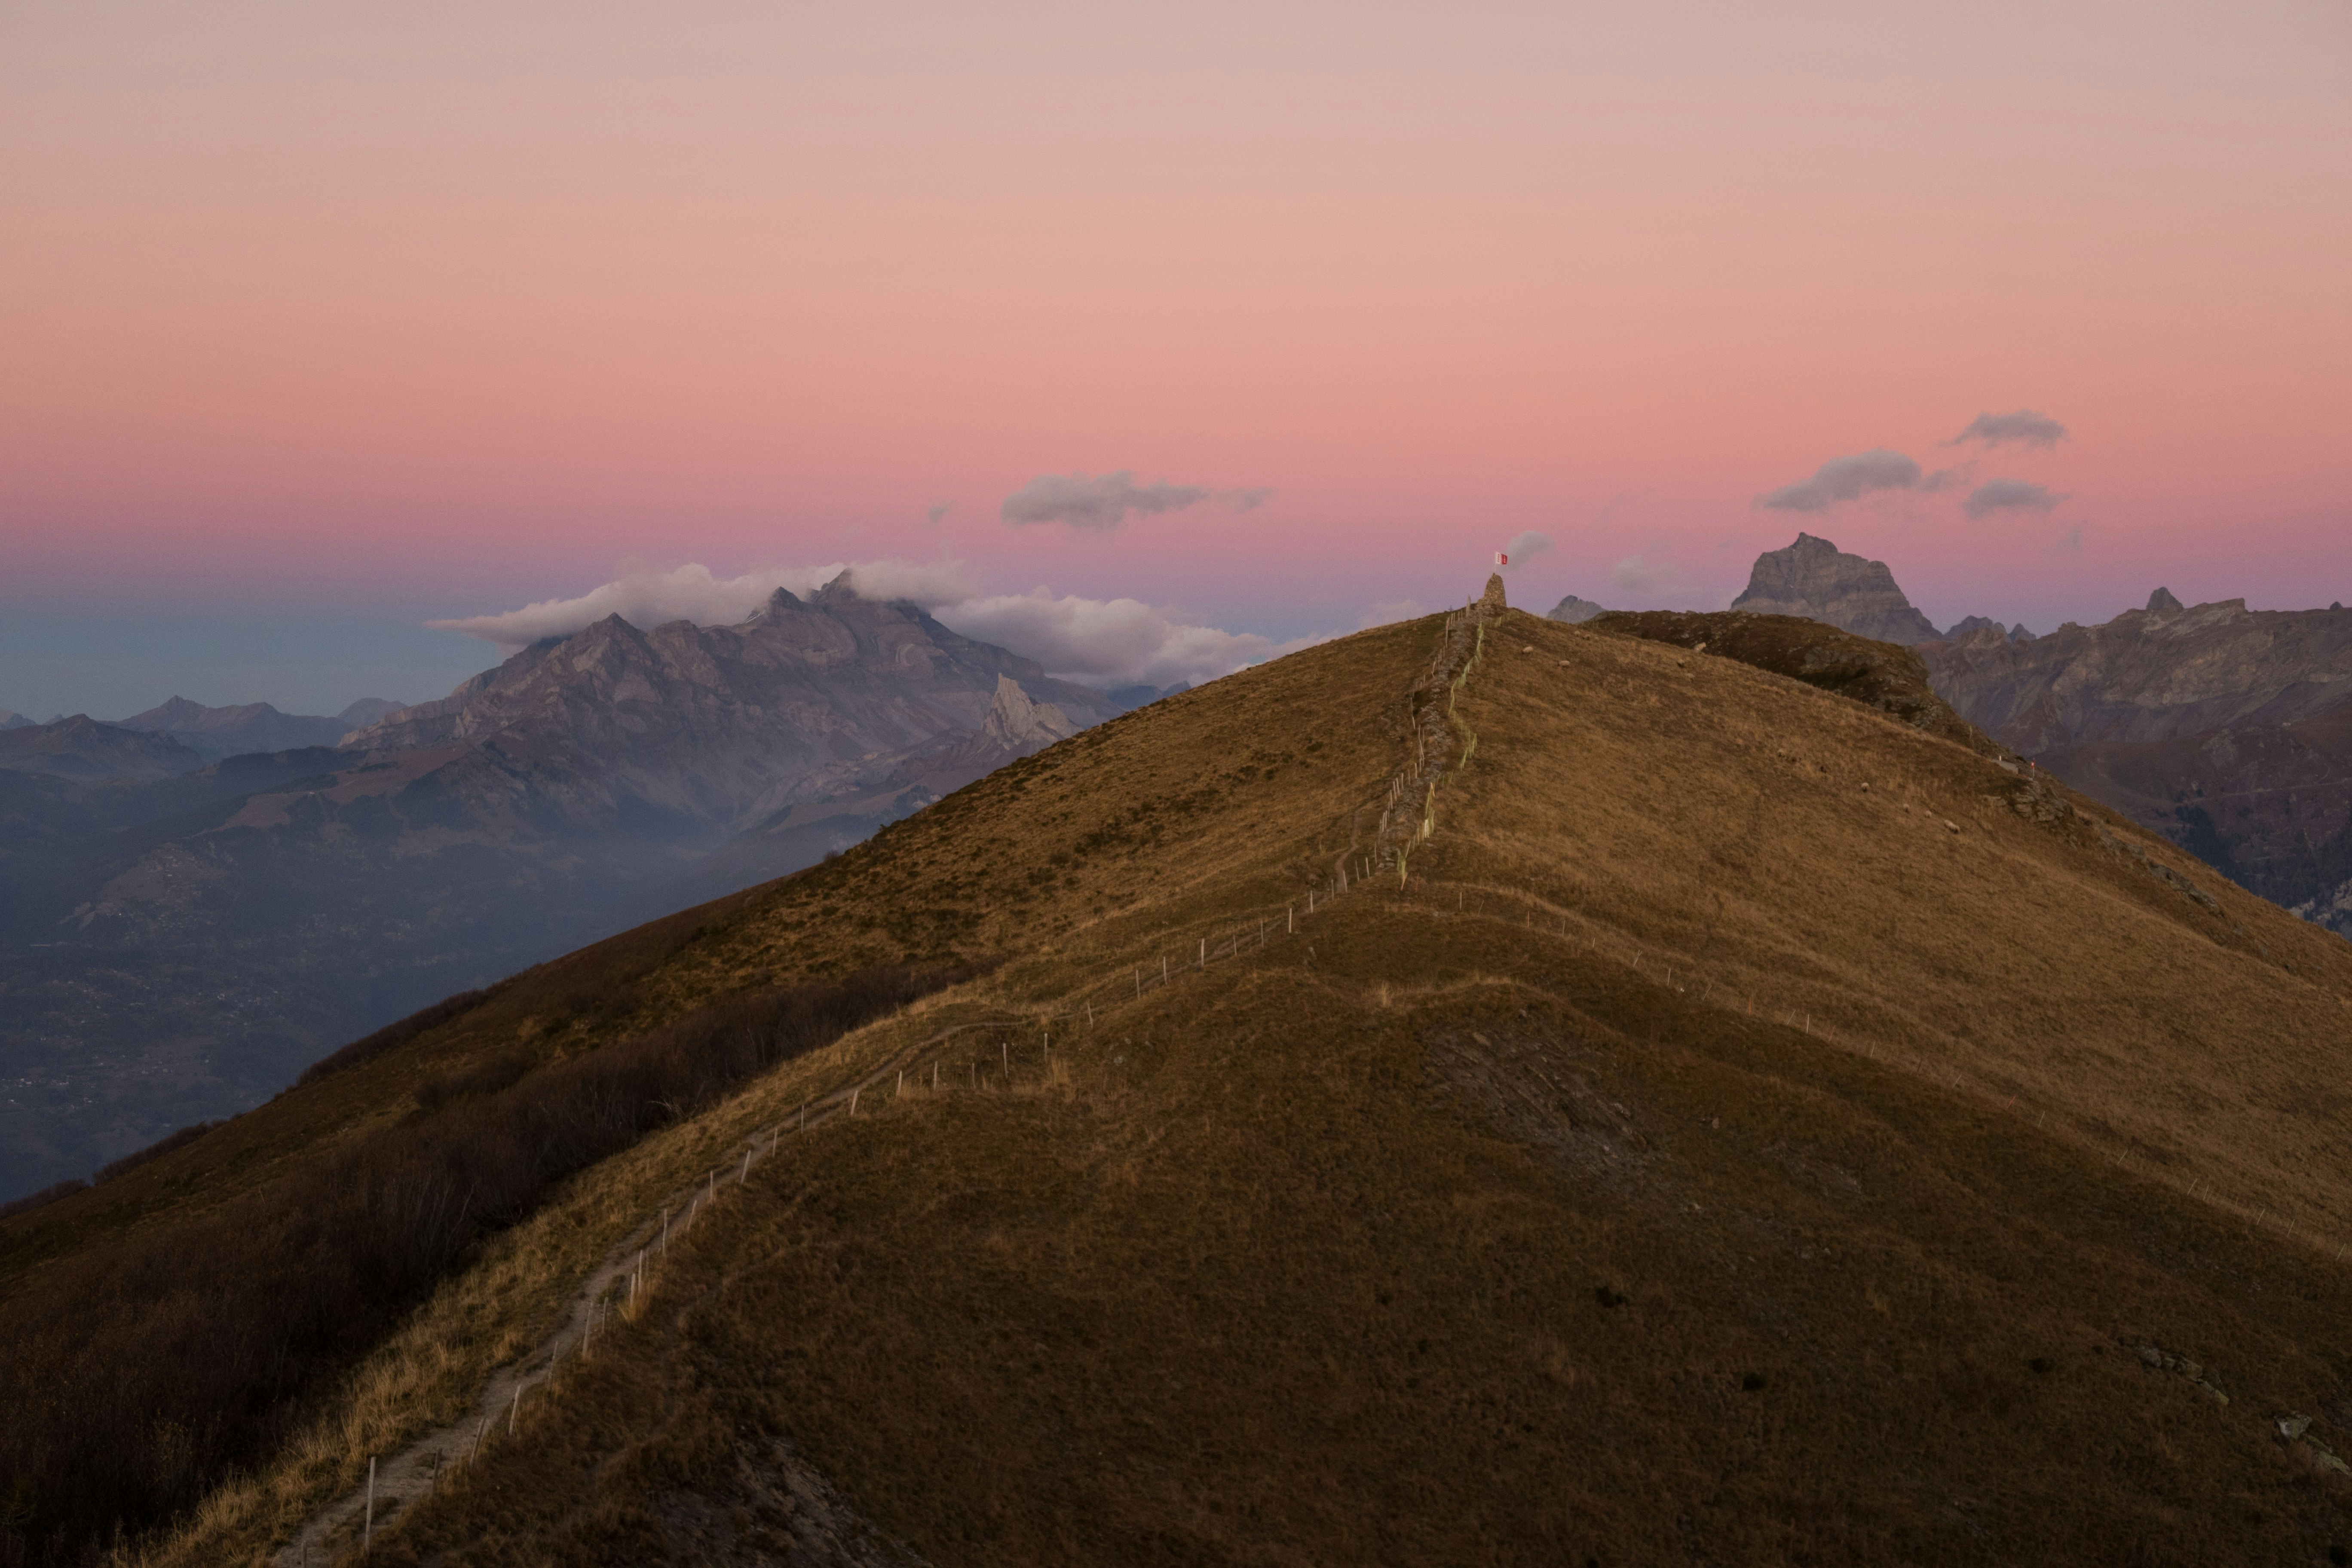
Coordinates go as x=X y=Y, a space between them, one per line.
x=1814 y=579
x=703 y=724
x=2148 y=675
x=1879 y=675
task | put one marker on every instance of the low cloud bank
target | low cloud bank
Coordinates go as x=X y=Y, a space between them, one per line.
x=1525 y=547
x=1099 y=641
x=1636 y=575
x=1110 y=640
x=650 y=597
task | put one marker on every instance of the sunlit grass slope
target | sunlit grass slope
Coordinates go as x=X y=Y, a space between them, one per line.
x=1755 y=1130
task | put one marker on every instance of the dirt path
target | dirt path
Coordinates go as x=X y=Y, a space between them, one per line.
x=403 y=1477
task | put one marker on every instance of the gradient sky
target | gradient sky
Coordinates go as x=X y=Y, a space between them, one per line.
x=317 y=322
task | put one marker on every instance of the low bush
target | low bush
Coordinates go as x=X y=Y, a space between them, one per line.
x=472 y=1083
x=47 y=1195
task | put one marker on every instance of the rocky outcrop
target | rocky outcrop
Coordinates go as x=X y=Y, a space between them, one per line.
x=1018 y=724
x=1576 y=611
x=1817 y=581
x=1880 y=675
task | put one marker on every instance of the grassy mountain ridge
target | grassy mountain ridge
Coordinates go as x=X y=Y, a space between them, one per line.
x=1703 y=1157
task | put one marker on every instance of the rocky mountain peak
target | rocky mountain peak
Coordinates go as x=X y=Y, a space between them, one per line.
x=2162 y=599
x=1814 y=579
x=1015 y=722
x=1576 y=611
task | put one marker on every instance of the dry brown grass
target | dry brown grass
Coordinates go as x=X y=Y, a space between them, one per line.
x=1703 y=1160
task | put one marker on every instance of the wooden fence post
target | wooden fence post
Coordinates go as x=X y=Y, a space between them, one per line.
x=367 y=1531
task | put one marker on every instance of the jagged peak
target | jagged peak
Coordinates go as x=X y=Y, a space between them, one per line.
x=1014 y=720
x=2162 y=599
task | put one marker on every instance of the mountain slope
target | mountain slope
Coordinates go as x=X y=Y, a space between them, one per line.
x=2222 y=728
x=1690 y=1155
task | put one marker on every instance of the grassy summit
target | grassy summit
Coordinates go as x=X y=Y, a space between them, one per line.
x=1750 y=1127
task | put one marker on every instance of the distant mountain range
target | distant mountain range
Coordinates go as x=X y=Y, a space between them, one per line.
x=200 y=901
x=2225 y=728
x=187 y=930
x=216 y=732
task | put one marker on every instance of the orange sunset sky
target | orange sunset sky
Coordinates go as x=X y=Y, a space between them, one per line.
x=320 y=322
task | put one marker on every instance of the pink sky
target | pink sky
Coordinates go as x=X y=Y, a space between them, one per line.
x=431 y=310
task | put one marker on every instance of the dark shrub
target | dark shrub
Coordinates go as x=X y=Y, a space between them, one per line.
x=47 y=1195
x=473 y=1082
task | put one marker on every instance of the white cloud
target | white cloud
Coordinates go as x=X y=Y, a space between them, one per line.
x=1636 y=575
x=1388 y=612
x=1525 y=547
x=649 y=597
x=1111 y=641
